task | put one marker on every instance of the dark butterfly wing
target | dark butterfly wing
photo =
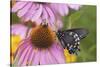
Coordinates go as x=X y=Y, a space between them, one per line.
x=70 y=39
x=82 y=33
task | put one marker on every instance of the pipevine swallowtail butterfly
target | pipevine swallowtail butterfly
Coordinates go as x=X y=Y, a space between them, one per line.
x=70 y=39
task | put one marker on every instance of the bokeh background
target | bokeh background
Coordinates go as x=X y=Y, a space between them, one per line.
x=85 y=18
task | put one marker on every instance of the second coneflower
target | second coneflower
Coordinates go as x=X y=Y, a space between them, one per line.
x=39 y=48
x=39 y=11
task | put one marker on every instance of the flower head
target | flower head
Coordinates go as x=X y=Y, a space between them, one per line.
x=39 y=48
x=37 y=12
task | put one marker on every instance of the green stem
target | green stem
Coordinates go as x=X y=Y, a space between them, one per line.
x=69 y=23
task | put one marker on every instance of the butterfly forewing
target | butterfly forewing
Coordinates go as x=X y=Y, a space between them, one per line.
x=80 y=31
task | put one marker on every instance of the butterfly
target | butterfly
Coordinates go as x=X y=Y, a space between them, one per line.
x=70 y=39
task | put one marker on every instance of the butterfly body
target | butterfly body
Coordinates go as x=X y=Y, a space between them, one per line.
x=70 y=39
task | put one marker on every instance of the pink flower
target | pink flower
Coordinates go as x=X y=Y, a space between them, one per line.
x=37 y=12
x=19 y=29
x=30 y=54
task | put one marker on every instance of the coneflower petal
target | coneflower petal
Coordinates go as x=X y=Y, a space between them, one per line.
x=21 y=59
x=57 y=53
x=51 y=14
x=42 y=57
x=36 y=58
x=31 y=58
x=18 y=5
x=45 y=14
x=25 y=61
x=50 y=59
x=38 y=13
x=74 y=6
x=30 y=13
x=20 y=50
x=24 y=10
x=19 y=29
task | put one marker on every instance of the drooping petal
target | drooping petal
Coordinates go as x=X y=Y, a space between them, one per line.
x=31 y=12
x=50 y=59
x=21 y=60
x=38 y=13
x=61 y=9
x=42 y=57
x=59 y=22
x=25 y=61
x=36 y=58
x=74 y=6
x=57 y=53
x=18 y=54
x=65 y=9
x=24 y=10
x=45 y=14
x=51 y=14
x=18 y=6
x=22 y=52
x=31 y=57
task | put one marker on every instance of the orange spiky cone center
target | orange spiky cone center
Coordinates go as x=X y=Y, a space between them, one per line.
x=42 y=37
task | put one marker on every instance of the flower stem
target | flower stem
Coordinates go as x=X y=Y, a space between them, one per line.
x=69 y=23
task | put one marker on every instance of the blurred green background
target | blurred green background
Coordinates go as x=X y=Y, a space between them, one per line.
x=84 y=18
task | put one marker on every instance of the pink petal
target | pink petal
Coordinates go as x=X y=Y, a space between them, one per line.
x=74 y=6
x=42 y=57
x=21 y=48
x=36 y=58
x=57 y=53
x=21 y=59
x=21 y=51
x=45 y=14
x=31 y=57
x=59 y=23
x=37 y=14
x=38 y=21
x=51 y=14
x=50 y=59
x=25 y=61
x=18 y=5
x=54 y=7
x=18 y=53
x=24 y=10
x=19 y=29
x=60 y=9
x=31 y=12
x=65 y=9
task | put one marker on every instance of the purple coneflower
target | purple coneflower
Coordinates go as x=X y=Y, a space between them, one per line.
x=39 y=48
x=37 y=12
